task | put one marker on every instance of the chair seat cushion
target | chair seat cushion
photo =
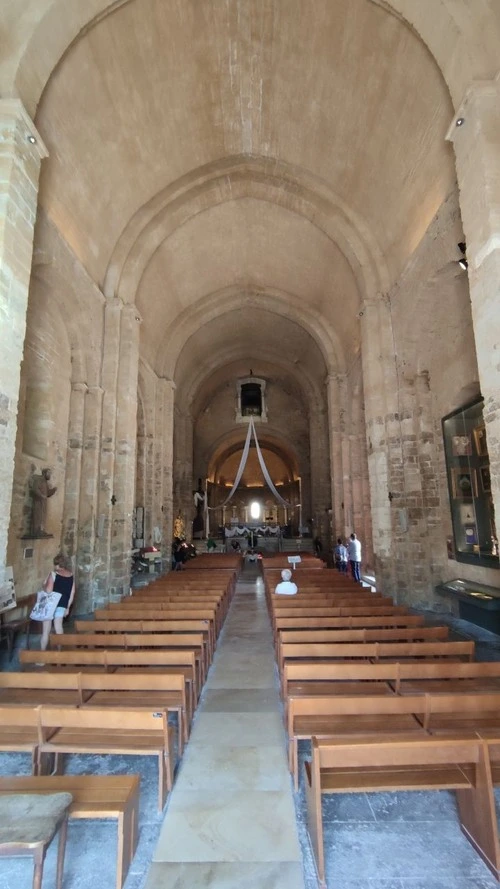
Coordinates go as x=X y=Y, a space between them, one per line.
x=28 y=819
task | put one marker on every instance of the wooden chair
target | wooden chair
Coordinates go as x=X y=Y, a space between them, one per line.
x=94 y=796
x=29 y=823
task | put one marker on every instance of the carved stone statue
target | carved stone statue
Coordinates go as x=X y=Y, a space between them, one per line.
x=40 y=491
x=179 y=527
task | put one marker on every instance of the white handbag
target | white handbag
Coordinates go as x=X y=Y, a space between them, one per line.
x=45 y=605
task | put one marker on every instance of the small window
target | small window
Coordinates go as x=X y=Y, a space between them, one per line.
x=255 y=510
x=251 y=400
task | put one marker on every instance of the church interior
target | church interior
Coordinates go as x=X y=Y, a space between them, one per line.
x=249 y=289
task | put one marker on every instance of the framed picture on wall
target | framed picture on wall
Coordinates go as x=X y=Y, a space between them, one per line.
x=464 y=485
x=461 y=445
x=484 y=475
x=480 y=441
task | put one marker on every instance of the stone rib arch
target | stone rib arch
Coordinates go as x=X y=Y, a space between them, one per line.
x=266 y=179
x=229 y=299
x=236 y=439
x=461 y=57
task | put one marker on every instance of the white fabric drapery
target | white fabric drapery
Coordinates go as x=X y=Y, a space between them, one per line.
x=241 y=467
x=240 y=530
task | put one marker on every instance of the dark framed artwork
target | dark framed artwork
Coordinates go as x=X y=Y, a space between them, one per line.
x=480 y=441
x=471 y=537
x=464 y=485
x=484 y=475
x=461 y=445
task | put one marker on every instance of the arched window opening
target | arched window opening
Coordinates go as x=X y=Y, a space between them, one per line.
x=255 y=510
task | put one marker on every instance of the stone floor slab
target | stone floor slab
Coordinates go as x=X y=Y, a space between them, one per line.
x=219 y=767
x=221 y=875
x=246 y=700
x=229 y=826
x=238 y=729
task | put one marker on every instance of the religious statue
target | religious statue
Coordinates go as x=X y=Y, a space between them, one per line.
x=40 y=491
x=179 y=527
x=199 y=520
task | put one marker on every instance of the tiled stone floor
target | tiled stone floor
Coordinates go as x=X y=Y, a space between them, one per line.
x=230 y=821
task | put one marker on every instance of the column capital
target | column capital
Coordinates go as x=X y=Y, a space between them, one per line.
x=477 y=90
x=132 y=311
x=16 y=122
x=167 y=384
x=79 y=387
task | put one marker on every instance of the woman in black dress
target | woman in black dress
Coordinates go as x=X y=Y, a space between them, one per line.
x=60 y=580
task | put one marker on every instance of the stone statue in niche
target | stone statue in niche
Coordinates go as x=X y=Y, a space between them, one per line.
x=40 y=491
x=199 y=520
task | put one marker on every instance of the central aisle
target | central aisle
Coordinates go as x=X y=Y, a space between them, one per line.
x=230 y=820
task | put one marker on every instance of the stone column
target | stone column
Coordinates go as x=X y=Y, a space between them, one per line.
x=184 y=483
x=385 y=470
x=320 y=494
x=336 y=387
x=73 y=467
x=125 y=449
x=21 y=153
x=167 y=394
x=477 y=148
x=118 y=450
x=90 y=525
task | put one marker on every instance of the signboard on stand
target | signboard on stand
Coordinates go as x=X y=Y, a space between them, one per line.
x=294 y=560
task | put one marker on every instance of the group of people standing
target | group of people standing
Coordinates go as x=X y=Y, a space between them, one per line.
x=350 y=553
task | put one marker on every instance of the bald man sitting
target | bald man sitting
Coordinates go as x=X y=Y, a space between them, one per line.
x=287 y=587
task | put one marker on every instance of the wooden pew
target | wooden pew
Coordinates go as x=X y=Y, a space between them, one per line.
x=307 y=678
x=19 y=732
x=366 y=765
x=375 y=651
x=151 y=626
x=146 y=689
x=64 y=730
x=94 y=796
x=163 y=661
x=361 y=634
x=425 y=714
x=193 y=641
x=332 y=623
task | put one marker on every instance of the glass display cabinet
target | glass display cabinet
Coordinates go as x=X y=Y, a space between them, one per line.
x=478 y=603
x=468 y=470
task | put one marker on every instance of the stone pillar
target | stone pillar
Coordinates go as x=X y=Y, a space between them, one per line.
x=320 y=494
x=167 y=394
x=477 y=149
x=184 y=483
x=125 y=450
x=21 y=153
x=73 y=467
x=90 y=526
x=380 y=386
x=335 y=387
x=118 y=450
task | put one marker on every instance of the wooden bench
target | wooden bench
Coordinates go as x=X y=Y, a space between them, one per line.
x=94 y=796
x=193 y=641
x=307 y=678
x=150 y=690
x=375 y=651
x=165 y=662
x=425 y=714
x=159 y=625
x=367 y=765
x=361 y=634
x=66 y=730
x=19 y=732
x=349 y=623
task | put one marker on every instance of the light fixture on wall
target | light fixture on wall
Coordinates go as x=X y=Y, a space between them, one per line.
x=31 y=139
x=462 y=246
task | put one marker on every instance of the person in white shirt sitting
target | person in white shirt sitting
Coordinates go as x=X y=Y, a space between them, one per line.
x=287 y=587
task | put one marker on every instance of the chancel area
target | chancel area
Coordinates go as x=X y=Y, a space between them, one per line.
x=249 y=294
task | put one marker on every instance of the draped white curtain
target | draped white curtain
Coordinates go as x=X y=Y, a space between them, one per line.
x=243 y=463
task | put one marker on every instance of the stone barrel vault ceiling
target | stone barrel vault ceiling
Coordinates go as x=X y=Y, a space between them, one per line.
x=337 y=101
